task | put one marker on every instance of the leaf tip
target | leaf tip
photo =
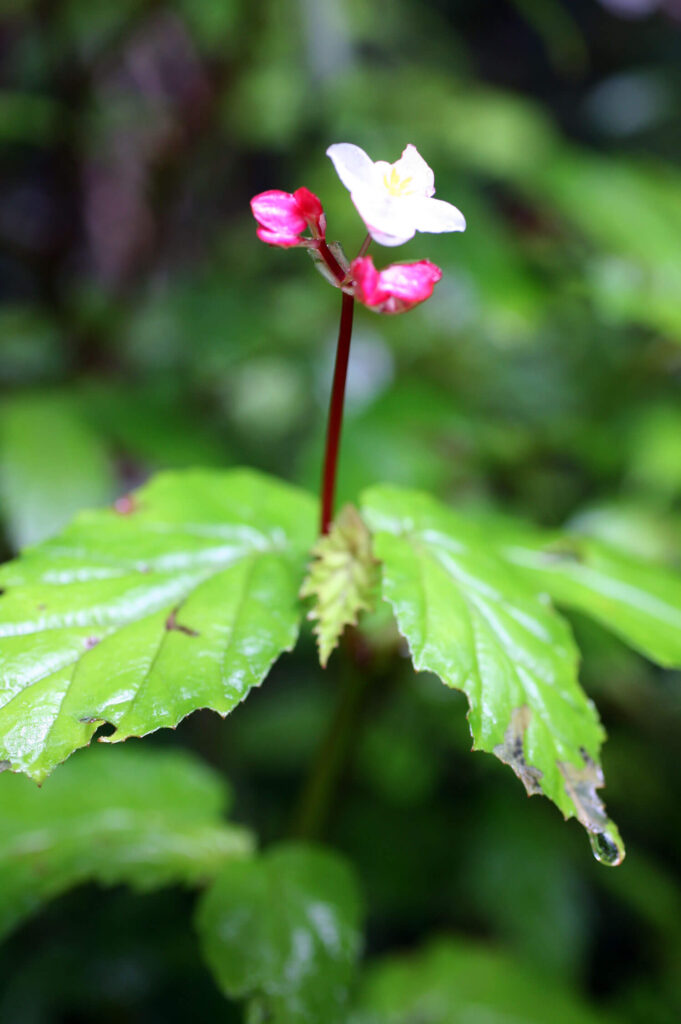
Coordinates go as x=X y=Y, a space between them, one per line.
x=581 y=785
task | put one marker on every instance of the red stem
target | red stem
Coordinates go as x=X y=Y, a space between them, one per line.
x=333 y=434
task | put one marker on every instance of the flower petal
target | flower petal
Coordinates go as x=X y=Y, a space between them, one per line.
x=386 y=217
x=388 y=240
x=353 y=166
x=412 y=165
x=411 y=282
x=434 y=215
x=366 y=279
x=309 y=204
x=278 y=211
x=283 y=239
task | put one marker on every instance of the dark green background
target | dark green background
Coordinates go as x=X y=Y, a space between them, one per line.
x=142 y=325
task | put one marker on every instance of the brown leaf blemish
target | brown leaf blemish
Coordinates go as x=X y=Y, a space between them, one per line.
x=581 y=784
x=173 y=624
x=563 y=551
x=512 y=751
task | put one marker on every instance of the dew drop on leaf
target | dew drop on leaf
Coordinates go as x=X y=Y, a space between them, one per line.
x=606 y=849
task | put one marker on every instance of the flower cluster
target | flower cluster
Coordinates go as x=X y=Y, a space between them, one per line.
x=394 y=201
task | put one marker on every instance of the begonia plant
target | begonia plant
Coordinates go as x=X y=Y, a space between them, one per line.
x=184 y=593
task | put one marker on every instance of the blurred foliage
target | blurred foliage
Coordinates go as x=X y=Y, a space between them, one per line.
x=134 y=816
x=452 y=983
x=142 y=326
x=285 y=931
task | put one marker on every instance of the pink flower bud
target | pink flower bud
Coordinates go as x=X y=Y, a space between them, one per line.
x=396 y=288
x=312 y=210
x=282 y=216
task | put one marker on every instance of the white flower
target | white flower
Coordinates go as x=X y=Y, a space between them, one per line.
x=394 y=200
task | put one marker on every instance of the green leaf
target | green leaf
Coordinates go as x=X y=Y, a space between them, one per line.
x=477 y=623
x=451 y=982
x=51 y=466
x=181 y=597
x=284 y=929
x=633 y=598
x=342 y=579
x=144 y=818
x=655 y=466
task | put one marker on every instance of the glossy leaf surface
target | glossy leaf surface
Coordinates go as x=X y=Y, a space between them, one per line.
x=180 y=597
x=284 y=930
x=145 y=818
x=636 y=599
x=476 y=622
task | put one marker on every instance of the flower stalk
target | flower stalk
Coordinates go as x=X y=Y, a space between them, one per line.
x=335 y=421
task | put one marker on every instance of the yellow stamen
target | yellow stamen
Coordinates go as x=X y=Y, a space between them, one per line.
x=396 y=185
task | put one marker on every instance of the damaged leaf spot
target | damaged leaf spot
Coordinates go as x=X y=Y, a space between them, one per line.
x=512 y=751
x=563 y=551
x=173 y=624
x=4 y=766
x=581 y=785
x=126 y=505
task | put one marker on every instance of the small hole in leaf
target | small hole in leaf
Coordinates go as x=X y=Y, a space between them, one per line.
x=104 y=730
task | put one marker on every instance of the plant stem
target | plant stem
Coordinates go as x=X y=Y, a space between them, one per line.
x=332 y=754
x=335 y=423
x=364 y=248
x=330 y=260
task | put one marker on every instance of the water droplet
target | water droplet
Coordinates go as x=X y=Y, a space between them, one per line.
x=607 y=848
